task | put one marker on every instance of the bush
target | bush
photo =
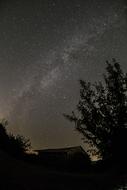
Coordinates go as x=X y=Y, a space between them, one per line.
x=16 y=145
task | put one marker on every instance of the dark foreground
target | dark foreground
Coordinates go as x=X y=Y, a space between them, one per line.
x=19 y=175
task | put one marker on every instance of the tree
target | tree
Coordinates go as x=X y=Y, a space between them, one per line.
x=102 y=112
x=18 y=145
x=15 y=145
x=3 y=137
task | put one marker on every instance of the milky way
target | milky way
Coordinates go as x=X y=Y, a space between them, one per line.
x=46 y=47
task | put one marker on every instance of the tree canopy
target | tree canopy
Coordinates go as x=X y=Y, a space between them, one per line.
x=15 y=145
x=101 y=113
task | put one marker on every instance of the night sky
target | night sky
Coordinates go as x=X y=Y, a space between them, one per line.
x=46 y=46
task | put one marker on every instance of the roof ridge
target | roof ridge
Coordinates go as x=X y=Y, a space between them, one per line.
x=63 y=148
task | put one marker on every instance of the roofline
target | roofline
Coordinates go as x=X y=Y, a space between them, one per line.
x=65 y=148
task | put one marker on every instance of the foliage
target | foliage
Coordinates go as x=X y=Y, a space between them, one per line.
x=102 y=112
x=16 y=145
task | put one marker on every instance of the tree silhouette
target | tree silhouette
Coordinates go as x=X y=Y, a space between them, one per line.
x=18 y=145
x=101 y=114
x=15 y=145
x=3 y=137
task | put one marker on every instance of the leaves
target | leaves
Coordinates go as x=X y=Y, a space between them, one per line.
x=16 y=145
x=102 y=109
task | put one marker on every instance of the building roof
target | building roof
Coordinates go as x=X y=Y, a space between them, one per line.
x=63 y=150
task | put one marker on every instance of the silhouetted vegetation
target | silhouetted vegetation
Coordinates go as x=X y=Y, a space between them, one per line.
x=15 y=145
x=102 y=118
x=102 y=113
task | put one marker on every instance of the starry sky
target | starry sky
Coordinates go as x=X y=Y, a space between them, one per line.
x=46 y=46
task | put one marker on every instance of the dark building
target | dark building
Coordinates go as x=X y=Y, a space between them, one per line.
x=71 y=158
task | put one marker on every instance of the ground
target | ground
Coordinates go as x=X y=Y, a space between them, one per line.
x=19 y=175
